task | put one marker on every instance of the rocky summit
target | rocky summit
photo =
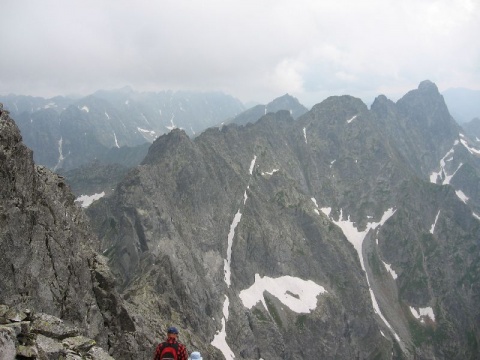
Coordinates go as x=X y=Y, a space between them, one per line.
x=344 y=233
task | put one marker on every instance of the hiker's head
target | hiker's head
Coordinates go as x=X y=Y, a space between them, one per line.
x=172 y=332
x=195 y=356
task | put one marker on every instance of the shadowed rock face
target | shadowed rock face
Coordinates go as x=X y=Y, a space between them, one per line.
x=45 y=243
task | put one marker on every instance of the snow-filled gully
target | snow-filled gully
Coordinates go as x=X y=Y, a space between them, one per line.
x=297 y=294
x=219 y=340
x=356 y=237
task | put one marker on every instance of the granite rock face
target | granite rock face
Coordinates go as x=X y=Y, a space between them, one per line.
x=45 y=245
x=48 y=253
x=356 y=200
x=348 y=232
x=28 y=335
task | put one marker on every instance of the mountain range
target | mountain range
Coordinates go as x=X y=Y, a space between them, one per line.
x=343 y=232
x=109 y=126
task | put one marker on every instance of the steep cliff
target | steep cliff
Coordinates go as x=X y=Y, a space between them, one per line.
x=48 y=254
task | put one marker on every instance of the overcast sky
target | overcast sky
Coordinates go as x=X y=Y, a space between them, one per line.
x=255 y=50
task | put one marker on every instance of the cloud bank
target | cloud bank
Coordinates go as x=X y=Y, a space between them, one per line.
x=254 y=50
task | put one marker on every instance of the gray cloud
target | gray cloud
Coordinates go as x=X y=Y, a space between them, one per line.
x=254 y=50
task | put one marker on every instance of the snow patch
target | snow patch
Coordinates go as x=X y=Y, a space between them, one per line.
x=149 y=132
x=85 y=108
x=326 y=210
x=108 y=116
x=86 y=200
x=60 y=151
x=422 y=313
x=305 y=135
x=297 y=294
x=316 y=206
x=434 y=223
x=252 y=164
x=472 y=150
x=220 y=338
x=270 y=173
x=172 y=125
x=435 y=175
x=461 y=195
x=231 y=234
x=390 y=270
x=356 y=237
x=351 y=119
x=116 y=141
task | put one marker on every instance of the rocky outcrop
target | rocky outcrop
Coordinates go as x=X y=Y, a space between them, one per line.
x=27 y=335
x=45 y=245
x=48 y=254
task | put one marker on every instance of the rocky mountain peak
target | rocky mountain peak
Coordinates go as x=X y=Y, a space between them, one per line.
x=165 y=144
x=426 y=98
x=426 y=107
x=284 y=102
x=289 y=103
x=428 y=86
x=382 y=105
x=339 y=109
x=9 y=133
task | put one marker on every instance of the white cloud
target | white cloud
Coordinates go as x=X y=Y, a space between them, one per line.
x=251 y=49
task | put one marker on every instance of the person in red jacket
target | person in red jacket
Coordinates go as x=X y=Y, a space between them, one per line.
x=171 y=348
